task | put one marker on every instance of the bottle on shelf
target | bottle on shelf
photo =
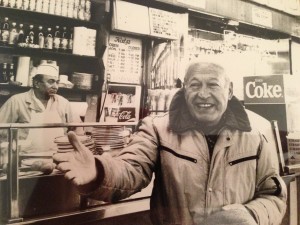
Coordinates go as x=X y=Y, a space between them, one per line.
x=13 y=34
x=64 y=40
x=30 y=36
x=49 y=39
x=4 y=78
x=5 y=32
x=11 y=75
x=21 y=36
x=40 y=37
x=56 y=38
x=70 y=41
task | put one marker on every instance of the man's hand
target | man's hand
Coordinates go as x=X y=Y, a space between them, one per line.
x=79 y=165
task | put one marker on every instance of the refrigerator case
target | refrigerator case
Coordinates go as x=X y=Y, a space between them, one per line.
x=277 y=97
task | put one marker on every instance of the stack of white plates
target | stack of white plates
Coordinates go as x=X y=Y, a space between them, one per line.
x=63 y=144
x=108 y=137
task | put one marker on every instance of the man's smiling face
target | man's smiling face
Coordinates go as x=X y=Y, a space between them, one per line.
x=207 y=92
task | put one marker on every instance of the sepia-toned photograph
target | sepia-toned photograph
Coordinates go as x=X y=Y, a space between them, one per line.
x=149 y=112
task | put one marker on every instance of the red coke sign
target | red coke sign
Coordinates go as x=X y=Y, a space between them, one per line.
x=264 y=90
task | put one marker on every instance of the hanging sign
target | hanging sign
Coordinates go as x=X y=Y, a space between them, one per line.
x=264 y=90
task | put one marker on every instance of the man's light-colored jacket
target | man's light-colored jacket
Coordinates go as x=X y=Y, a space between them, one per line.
x=189 y=185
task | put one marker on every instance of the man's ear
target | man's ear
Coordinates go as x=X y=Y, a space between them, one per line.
x=35 y=84
x=230 y=90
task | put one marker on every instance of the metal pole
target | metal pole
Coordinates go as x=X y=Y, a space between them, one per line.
x=12 y=177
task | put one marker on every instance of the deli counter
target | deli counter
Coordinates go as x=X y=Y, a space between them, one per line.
x=30 y=195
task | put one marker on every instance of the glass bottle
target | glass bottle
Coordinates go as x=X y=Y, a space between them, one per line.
x=4 y=73
x=41 y=37
x=70 y=41
x=49 y=39
x=56 y=38
x=13 y=34
x=30 y=36
x=5 y=32
x=21 y=35
x=64 y=40
x=11 y=75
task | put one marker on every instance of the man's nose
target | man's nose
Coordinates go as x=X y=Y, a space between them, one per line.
x=203 y=92
x=55 y=85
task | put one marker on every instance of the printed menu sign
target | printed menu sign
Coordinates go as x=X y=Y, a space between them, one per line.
x=163 y=23
x=124 y=59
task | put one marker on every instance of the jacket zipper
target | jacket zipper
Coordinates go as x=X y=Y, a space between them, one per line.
x=231 y=163
x=164 y=148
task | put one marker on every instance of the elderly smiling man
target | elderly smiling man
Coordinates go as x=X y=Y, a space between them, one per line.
x=212 y=165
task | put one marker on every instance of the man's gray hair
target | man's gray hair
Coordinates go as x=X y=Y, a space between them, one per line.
x=207 y=65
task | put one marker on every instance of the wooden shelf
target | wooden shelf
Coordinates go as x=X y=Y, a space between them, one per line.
x=45 y=18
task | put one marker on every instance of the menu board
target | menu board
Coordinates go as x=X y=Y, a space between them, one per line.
x=124 y=59
x=130 y=17
x=163 y=24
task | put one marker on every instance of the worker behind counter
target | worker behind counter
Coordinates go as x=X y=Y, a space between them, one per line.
x=39 y=105
x=214 y=162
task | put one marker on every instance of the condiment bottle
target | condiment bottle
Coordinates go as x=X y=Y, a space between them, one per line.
x=56 y=38
x=13 y=34
x=5 y=32
x=49 y=39
x=41 y=37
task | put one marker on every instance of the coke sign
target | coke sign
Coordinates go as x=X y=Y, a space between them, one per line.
x=126 y=114
x=264 y=90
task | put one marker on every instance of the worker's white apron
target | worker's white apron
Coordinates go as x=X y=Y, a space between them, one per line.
x=42 y=139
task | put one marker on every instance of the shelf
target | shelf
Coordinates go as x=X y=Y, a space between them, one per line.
x=42 y=53
x=8 y=90
x=45 y=18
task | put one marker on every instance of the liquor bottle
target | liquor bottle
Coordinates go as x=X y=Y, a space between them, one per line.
x=4 y=73
x=40 y=37
x=49 y=39
x=56 y=38
x=13 y=34
x=30 y=36
x=11 y=75
x=64 y=40
x=5 y=32
x=70 y=41
x=21 y=36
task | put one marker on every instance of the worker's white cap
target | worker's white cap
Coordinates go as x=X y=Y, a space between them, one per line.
x=48 y=69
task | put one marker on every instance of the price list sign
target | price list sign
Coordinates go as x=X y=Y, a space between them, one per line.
x=124 y=59
x=163 y=24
